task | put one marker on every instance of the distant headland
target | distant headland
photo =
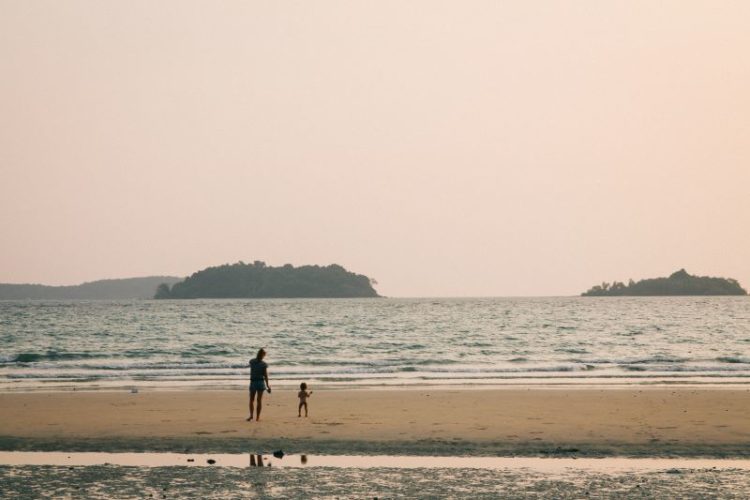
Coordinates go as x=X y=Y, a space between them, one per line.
x=115 y=289
x=678 y=283
x=257 y=280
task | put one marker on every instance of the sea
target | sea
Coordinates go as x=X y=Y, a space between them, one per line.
x=468 y=342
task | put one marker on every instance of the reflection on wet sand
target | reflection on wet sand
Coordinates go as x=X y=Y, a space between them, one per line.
x=610 y=465
x=256 y=460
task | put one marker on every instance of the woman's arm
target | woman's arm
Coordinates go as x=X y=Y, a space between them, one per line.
x=265 y=376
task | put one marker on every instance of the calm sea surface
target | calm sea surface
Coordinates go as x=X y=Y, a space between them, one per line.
x=64 y=344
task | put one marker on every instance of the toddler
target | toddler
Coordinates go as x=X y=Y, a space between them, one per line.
x=302 y=395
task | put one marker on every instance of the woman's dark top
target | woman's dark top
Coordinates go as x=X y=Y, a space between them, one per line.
x=257 y=369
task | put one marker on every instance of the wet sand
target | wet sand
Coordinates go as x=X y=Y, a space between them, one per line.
x=107 y=482
x=594 y=422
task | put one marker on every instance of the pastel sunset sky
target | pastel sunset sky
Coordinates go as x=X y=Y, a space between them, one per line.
x=445 y=148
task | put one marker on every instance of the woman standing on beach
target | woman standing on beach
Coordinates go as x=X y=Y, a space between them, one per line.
x=258 y=383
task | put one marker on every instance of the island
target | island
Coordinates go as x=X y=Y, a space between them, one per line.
x=257 y=280
x=111 y=289
x=678 y=283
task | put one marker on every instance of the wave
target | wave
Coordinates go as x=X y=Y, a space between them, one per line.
x=551 y=375
x=634 y=368
x=733 y=359
x=686 y=369
x=162 y=371
x=33 y=357
x=631 y=361
x=572 y=350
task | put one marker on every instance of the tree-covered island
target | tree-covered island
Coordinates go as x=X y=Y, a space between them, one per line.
x=678 y=283
x=257 y=280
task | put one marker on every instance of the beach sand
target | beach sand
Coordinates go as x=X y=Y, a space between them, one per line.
x=589 y=422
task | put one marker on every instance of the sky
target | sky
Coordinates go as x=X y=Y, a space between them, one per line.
x=444 y=148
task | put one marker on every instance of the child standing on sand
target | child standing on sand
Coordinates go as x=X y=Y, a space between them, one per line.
x=302 y=395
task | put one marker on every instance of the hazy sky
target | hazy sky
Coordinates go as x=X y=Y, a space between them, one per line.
x=443 y=148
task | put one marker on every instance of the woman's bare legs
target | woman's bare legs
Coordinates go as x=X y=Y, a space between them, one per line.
x=252 y=396
x=260 y=405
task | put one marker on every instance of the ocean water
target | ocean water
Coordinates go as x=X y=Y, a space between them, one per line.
x=375 y=342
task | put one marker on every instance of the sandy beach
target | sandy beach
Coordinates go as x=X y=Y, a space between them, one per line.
x=595 y=422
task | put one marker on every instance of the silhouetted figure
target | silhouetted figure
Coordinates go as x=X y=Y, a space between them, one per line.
x=302 y=395
x=258 y=383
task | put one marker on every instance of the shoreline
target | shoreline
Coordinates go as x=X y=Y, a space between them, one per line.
x=713 y=382
x=429 y=448
x=560 y=421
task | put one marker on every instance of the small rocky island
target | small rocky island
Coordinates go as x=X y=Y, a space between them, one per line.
x=678 y=283
x=257 y=280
